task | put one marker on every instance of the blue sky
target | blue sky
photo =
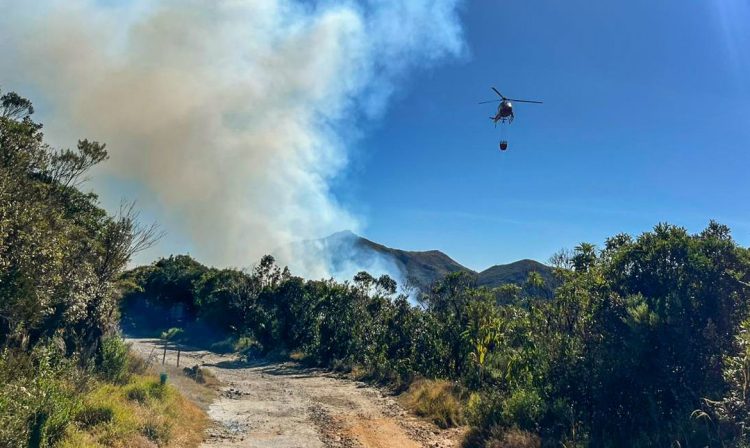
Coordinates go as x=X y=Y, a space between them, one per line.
x=646 y=119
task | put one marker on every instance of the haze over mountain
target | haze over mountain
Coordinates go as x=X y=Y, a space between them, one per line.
x=347 y=253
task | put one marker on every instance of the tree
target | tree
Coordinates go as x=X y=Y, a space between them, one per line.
x=534 y=283
x=448 y=300
x=60 y=253
x=482 y=330
x=584 y=256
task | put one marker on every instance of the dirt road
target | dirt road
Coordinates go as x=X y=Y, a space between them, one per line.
x=285 y=405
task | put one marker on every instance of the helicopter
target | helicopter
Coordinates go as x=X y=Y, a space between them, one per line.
x=505 y=112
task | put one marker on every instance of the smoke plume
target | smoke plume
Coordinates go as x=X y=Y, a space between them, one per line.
x=233 y=115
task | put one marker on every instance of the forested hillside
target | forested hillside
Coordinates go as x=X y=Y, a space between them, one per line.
x=517 y=273
x=66 y=377
x=645 y=342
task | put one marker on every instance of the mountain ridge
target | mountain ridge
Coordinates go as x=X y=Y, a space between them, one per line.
x=423 y=268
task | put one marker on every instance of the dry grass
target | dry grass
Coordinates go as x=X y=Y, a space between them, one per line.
x=141 y=413
x=436 y=400
x=298 y=356
x=512 y=438
x=359 y=373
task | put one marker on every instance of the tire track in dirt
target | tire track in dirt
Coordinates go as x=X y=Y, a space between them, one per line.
x=283 y=404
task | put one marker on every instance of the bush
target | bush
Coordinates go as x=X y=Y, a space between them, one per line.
x=248 y=348
x=523 y=409
x=511 y=438
x=492 y=414
x=143 y=389
x=114 y=360
x=138 y=394
x=338 y=365
x=91 y=416
x=158 y=431
x=39 y=398
x=484 y=410
x=436 y=400
x=223 y=346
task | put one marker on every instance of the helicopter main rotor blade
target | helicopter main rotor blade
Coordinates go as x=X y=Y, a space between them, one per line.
x=490 y=101
x=498 y=92
x=525 y=101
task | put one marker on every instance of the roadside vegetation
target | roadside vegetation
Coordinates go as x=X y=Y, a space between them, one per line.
x=645 y=342
x=66 y=377
x=437 y=400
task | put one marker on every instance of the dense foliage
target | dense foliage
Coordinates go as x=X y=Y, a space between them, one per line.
x=61 y=256
x=642 y=345
x=60 y=253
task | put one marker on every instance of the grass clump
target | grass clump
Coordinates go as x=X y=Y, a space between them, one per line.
x=436 y=400
x=143 y=388
x=158 y=431
x=91 y=416
x=501 y=437
x=140 y=413
x=298 y=355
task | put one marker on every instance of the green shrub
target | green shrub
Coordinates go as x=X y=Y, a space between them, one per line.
x=243 y=343
x=114 y=360
x=91 y=416
x=39 y=398
x=339 y=365
x=143 y=389
x=138 y=394
x=503 y=421
x=158 y=431
x=523 y=409
x=223 y=346
x=484 y=410
x=248 y=348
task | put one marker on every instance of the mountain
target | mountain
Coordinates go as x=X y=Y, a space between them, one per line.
x=515 y=272
x=420 y=267
x=348 y=253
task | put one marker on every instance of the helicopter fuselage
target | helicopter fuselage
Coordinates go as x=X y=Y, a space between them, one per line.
x=504 y=111
x=505 y=108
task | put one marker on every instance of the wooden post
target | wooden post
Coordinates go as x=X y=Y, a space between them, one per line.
x=164 y=356
x=178 y=356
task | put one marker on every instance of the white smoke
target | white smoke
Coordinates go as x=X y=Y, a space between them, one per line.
x=234 y=115
x=341 y=255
